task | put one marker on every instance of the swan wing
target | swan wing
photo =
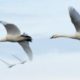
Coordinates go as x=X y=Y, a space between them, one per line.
x=26 y=48
x=4 y=61
x=11 y=28
x=9 y=65
x=75 y=18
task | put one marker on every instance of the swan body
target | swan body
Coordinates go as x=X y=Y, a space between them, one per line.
x=14 y=35
x=15 y=38
x=75 y=18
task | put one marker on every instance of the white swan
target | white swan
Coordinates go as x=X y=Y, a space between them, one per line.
x=8 y=64
x=14 y=35
x=75 y=18
x=21 y=61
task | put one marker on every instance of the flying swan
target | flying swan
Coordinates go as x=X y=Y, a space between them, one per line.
x=8 y=64
x=21 y=61
x=75 y=18
x=14 y=35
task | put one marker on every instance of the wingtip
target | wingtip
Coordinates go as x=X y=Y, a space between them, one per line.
x=30 y=58
x=71 y=8
x=10 y=66
x=23 y=62
x=3 y=22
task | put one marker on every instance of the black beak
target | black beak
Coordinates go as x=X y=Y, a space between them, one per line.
x=29 y=39
x=51 y=37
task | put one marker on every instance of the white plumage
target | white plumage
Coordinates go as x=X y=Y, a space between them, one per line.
x=75 y=18
x=14 y=35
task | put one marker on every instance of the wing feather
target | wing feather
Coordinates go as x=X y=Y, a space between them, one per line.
x=75 y=18
x=26 y=48
x=11 y=28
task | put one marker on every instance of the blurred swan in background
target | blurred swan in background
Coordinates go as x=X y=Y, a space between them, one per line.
x=22 y=62
x=8 y=64
x=75 y=18
x=14 y=35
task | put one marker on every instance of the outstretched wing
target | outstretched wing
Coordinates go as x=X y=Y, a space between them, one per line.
x=26 y=48
x=11 y=28
x=75 y=18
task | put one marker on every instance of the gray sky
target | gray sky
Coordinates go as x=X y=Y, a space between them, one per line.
x=57 y=59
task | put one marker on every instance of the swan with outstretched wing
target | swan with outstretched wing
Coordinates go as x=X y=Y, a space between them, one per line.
x=75 y=19
x=14 y=35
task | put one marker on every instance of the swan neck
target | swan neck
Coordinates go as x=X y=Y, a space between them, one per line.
x=67 y=36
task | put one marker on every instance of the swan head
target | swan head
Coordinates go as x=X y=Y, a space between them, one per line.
x=54 y=36
x=28 y=38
